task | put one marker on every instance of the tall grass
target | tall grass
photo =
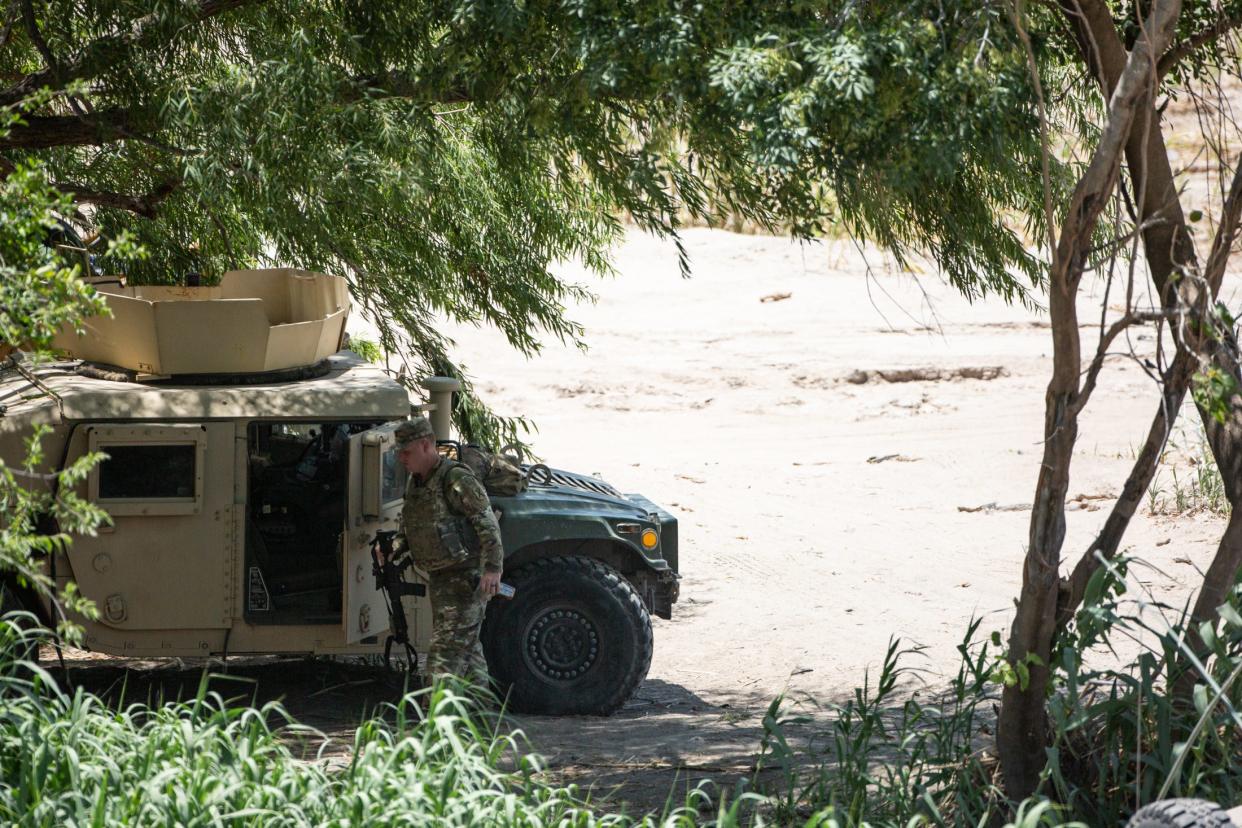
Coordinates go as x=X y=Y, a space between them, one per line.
x=1187 y=480
x=891 y=757
x=1126 y=730
x=67 y=759
x=888 y=756
x=1163 y=723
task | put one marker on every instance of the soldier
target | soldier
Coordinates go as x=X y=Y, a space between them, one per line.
x=453 y=536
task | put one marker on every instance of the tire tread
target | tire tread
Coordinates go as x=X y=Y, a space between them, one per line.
x=623 y=591
x=1181 y=813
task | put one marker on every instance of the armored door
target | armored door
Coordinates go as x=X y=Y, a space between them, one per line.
x=167 y=560
x=376 y=489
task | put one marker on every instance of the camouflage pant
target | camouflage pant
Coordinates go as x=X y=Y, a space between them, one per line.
x=456 y=616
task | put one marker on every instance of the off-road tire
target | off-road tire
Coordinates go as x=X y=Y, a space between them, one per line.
x=574 y=639
x=1181 y=813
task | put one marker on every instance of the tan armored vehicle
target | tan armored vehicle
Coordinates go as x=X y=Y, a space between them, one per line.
x=250 y=467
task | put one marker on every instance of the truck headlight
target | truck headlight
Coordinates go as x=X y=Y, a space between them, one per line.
x=650 y=539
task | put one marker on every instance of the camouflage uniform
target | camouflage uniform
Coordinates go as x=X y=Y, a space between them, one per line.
x=451 y=492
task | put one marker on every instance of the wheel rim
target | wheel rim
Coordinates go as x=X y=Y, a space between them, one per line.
x=560 y=644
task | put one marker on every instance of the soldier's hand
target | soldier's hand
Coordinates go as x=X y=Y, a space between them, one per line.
x=489 y=583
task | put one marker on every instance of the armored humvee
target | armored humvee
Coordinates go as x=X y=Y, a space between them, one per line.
x=250 y=464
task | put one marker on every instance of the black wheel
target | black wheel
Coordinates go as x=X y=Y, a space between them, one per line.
x=1181 y=813
x=574 y=639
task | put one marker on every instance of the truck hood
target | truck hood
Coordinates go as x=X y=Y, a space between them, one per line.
x=566 y=506
x=568 y=492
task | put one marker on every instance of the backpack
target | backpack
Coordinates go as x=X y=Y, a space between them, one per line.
x=500 y=473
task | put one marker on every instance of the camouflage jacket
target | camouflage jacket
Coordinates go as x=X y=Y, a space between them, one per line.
x=451 y=492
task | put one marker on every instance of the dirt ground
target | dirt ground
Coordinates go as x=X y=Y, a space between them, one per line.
x=851 y=451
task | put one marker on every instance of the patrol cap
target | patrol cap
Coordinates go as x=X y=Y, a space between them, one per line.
x=413 y=429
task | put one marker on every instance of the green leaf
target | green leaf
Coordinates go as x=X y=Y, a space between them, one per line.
x=1201 y=698
x=1095 y=586
x=1207 y=631
x=1230 y=615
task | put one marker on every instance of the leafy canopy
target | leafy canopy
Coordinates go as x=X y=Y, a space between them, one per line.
x=443 y=155
x=39 y=292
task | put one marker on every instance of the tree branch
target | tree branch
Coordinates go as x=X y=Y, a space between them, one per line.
x=1175 y=382
x=1092 y=25
x=9 y=22
x=104 y=126
x=224 y=234
x=1175 y=55
x=36 y=37
x=1091 y=194
x=145 y=205
x=1045 y=152
x=1093 y=371
x=400 y=85
x=1226 y=232
x=103 y=53
x=44 y=131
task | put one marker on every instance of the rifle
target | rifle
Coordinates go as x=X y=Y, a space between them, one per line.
x=389 y=577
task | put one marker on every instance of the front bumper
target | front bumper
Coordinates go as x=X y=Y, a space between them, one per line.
x=661 y=588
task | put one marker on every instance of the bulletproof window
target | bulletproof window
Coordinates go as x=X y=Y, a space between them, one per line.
x=381 y=482
x=150 y=470
x=394 y=477
x=144 y=472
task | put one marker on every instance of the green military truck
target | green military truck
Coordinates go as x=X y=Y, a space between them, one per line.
x=251 y=464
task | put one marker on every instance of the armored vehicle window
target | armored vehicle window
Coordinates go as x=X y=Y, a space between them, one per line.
x=144 y=471
x=151 y=470
x=395 y=476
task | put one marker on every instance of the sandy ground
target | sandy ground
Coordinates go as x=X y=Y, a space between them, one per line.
x=824 y=508
x=820 y=515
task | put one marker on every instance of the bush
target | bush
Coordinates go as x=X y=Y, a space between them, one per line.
x=1135 y=730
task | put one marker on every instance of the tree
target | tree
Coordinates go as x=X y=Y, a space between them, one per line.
x=1097 y=78
x=443 y=155
x=1134 y=59
x=39 y=293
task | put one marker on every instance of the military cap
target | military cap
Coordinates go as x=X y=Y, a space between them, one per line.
x=413 y=429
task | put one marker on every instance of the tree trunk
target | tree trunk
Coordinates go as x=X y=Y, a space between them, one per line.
x=1225 y=440
x=1176 y=383
x=1022 y=729
x=1219 y=578
x=1022 y=736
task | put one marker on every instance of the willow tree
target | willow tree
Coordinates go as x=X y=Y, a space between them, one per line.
x=441 y=155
